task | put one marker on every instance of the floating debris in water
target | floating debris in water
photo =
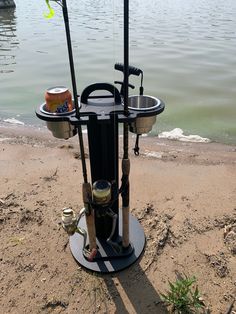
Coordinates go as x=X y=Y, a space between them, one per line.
x=178 y=134
x=13 y=121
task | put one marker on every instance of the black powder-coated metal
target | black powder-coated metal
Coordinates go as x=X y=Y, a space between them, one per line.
x=104 y=153
x=104 y=108
x=102 y=115
x=109 y=261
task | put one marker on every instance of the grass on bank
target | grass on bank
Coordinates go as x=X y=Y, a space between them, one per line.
x=183 y=297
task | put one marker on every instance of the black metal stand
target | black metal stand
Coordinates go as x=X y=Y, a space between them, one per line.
x=103 y=152
x=118 y=246
x=102 y=115
x=108 y=260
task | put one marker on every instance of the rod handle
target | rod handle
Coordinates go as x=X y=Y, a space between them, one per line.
x=132 y=70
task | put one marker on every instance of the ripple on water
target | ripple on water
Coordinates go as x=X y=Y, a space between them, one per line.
x=186 y=49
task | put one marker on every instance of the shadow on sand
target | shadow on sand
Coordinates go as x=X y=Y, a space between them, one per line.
x=132 y=292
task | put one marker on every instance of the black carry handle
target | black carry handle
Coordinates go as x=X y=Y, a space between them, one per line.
x=100 y=86
x=132 y=70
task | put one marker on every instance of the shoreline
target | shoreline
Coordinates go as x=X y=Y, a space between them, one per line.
x=176 y=134
x=150 y=146
x=22 y=129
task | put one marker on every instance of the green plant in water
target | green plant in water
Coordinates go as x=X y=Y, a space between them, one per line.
x=183 y=297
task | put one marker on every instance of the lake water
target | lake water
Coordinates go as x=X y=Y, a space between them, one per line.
x=186 y=48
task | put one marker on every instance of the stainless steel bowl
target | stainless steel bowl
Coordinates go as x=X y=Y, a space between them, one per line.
x=60 y=129
x=143 y=103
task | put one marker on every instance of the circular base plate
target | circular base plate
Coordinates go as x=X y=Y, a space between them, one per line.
x=112 y=261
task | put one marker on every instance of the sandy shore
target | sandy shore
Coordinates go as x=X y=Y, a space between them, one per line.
x=183 y=194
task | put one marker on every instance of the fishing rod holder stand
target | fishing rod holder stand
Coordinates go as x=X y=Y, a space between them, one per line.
x=102 y=115
x=115 y=238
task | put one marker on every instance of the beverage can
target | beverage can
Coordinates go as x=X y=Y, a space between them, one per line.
x=58 y=99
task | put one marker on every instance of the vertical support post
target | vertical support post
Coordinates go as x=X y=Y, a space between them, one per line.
x=104 y=158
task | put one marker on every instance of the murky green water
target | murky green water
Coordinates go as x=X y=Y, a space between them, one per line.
x=186 y=49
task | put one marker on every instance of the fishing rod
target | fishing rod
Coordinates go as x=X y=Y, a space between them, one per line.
x=125 y=161
x=74 y=87
x=87 y=191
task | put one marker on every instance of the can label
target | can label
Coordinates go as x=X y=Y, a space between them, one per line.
x=62 y=107
x=58 y=99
